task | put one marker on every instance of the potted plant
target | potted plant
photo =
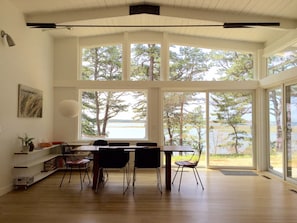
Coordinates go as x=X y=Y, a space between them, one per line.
x=27 y=143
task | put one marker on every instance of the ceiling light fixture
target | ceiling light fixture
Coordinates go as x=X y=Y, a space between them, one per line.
x=68 y=108
x=8 y=38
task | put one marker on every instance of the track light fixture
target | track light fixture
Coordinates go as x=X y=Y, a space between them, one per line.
x=8 y=38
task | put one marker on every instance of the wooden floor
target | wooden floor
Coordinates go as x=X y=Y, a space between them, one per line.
x=226 y=199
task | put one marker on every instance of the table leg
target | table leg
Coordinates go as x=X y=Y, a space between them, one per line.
x=168 y=155
x=96 y=170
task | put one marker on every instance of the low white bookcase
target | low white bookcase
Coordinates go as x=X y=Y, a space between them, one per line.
x=31 y=167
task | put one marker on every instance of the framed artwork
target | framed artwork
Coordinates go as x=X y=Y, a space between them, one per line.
x=29 y=102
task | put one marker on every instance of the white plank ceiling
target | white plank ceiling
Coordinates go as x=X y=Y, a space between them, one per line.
x=172 y=12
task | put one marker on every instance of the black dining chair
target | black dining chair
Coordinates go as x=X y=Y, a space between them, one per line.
x=191 y=163
x=71 y=161
x=100 y=142
x=119 y=144
x=148 y=158
x=146 y=144
x=116 y=158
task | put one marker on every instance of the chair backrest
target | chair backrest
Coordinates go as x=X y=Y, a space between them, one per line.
x=119 y=144
x=113 y=158
x=100 y=142
x=147 y=158
x=146 y=144
x=200 y=148
x=67 y=153
x=66 y=149
x=198 y=155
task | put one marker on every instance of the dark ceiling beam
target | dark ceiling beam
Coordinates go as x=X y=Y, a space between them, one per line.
x=207 y=16
x=225 y=25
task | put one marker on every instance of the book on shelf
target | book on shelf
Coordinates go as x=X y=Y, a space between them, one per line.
x=50 y=165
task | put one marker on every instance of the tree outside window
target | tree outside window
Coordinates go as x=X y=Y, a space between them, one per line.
x=145 y=62
x=281 y=61
x=199 y=64
x=113 y=114
x=102 y=63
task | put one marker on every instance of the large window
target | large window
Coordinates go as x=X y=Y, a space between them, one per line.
x=282 y=61
x=188 y=63
x=102 y=63
x=145 y=62
x=196 y=64
x=113 y=114
x=224 y=133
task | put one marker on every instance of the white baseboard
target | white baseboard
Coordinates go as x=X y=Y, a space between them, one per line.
x=6 y=189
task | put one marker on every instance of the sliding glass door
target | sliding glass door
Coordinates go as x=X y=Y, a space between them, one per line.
x=291 y=131
x=219 y=122
x=276 y=151
x=230 y=129
x=184 y=122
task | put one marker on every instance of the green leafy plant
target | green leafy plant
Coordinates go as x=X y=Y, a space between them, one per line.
x=26 y=140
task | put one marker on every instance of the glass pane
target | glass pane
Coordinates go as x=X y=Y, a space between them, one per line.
x=188 y=63
x=145 y=62
x=291 y=119
x=184 y=120
x=282 y=61
x=275 y=130
x=113 y=114
x=196 y=64
x=102 y=63
x=230 y=133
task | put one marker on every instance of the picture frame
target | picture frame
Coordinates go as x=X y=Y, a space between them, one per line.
x=30 y=102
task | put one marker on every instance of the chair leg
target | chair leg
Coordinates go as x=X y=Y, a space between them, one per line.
x=180 y=179
x=81 y=180
x=128 y=174
x=86 y=173
x=134 y=178
x=63 y=177
x=70 y=175
x=194 y=172
x=125 y=178
x=106 y=174
x=159 y=182
x=199 y=178
x=175 y=174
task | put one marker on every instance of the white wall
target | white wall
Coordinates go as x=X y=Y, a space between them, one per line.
x=66 y=59
x=30 y=63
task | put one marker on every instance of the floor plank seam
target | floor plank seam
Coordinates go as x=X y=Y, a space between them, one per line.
x=266 y=177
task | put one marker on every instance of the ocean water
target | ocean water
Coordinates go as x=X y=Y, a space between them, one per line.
x=126 y=130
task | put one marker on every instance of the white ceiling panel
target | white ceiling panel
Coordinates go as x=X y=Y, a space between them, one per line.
x=177 y=12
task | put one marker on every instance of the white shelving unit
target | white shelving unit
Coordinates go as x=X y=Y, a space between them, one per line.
x=29 y=167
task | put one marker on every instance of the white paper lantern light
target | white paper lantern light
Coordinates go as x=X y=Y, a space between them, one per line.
x=68 y=108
